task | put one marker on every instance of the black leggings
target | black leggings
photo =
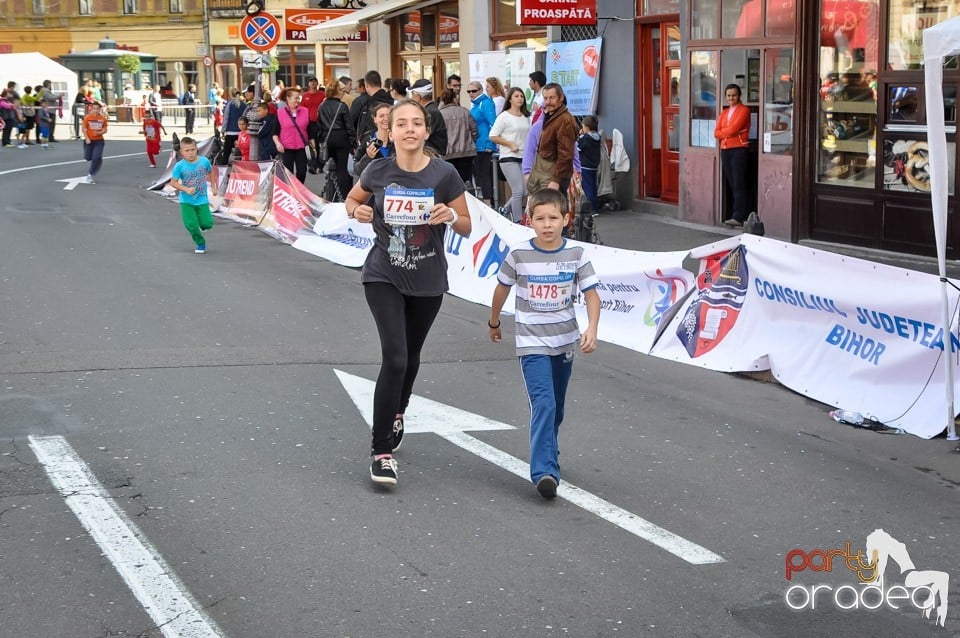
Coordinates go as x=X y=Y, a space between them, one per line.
x=403 y=323
x=295 y=161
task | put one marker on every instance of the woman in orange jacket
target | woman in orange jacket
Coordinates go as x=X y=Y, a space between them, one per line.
x=733 y=128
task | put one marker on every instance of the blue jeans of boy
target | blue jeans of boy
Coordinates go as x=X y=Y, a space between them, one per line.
x=546 y=378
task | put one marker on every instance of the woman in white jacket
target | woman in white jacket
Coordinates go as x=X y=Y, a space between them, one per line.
x=510 y=132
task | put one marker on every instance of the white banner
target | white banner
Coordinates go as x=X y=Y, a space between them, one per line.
x=338 y=238
x=520 y=64
x=636 y=289
x=847 y=332
x=487 y=64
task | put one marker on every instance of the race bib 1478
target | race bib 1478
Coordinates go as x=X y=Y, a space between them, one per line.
x=548 y=293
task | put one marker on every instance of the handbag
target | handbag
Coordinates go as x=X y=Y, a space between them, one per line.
x=753 y=225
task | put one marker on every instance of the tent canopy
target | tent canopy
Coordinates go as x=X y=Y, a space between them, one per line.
x=346 y=25
x=940 y=41
x=33 y=68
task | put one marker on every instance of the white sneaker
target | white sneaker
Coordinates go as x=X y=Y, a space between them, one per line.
x=90 y=180
x=21 y=146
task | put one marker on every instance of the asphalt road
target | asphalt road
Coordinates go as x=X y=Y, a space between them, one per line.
x=202 y=394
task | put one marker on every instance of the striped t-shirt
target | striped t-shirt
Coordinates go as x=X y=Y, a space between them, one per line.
x=547 y=282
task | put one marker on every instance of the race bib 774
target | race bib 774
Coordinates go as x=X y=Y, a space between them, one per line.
x=407 y=206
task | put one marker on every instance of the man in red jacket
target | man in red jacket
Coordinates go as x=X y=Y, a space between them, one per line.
x=312 y=98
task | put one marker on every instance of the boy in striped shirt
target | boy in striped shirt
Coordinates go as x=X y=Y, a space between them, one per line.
x=548 y=273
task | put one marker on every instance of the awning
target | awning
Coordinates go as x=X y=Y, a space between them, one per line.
x=345 y=26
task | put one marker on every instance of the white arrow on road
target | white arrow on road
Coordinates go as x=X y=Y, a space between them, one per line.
x=424 y=415
x=72 y=182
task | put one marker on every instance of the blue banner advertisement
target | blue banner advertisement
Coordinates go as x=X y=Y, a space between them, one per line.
x=576 y=67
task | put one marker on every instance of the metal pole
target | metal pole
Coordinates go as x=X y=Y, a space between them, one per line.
x=254 y=140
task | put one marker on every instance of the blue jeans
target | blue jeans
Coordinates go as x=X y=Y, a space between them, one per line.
x=93 y=153
x=546 y=378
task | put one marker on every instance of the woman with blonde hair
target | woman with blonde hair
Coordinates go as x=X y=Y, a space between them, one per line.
x=337 y=133
x=494 y=89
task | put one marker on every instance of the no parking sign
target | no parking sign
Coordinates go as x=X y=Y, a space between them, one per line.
x=260 y=32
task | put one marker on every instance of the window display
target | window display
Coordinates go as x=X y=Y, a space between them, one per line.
x=907 y=19
x=848 y=93
x=778 y=102
x=906 y=166
x=703 y=98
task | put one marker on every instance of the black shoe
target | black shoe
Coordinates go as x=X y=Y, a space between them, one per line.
x=397 y=432
x=547 y=486
x=384 y=471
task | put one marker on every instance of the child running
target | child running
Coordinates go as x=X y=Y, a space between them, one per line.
x=151 y=133
x=548 y=274
x=190 y=177
x=94 y=127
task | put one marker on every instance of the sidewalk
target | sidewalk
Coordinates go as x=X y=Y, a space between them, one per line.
x=649 y=232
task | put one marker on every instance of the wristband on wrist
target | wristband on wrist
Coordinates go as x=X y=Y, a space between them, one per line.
x=494 y=327
x=455 y=218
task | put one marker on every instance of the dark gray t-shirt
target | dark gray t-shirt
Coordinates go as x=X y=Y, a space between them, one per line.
x=411 y=258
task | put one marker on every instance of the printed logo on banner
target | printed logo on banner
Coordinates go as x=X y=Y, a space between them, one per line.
x=924 y=590
x=487 y=260
x=664 y=290
x=723 y=287
x=249 y=191
x=351 y=239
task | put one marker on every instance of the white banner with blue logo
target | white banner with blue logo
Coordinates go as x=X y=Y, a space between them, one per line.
x=576 y=67
x=637 y=289
x=847 y=332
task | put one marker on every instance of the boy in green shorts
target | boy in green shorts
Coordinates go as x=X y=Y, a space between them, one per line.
x=190 y=177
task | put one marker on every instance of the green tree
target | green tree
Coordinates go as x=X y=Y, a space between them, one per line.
x=128 y=63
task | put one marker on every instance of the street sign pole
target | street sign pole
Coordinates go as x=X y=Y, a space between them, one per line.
x=260 y=32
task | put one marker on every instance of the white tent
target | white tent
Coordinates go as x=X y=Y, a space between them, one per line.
x=940 y=41
x=34 y=68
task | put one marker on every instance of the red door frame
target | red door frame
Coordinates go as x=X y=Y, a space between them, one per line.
x=659 y=168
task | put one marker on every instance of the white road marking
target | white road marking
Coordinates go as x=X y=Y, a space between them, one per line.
x=152 y=581
x=72 y=182
x=79 y=161
x=452 y=423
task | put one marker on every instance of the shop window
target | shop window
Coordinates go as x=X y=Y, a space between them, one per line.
x=781 y=18
x=703 y=19
x=410 y=31
x=703 y=98
x=741 y=18
x=906 y=165
x=660 y=7
x=907 y=19
x=449 y=30
x=847 y=105
x=428 y=30
x=778 y=101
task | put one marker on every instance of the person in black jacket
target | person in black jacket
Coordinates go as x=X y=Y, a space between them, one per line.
x=422 y=93
x=361 y=115
x=336 y=130
x=269 y=127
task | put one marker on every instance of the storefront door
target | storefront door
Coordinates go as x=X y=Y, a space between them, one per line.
x=659 y=114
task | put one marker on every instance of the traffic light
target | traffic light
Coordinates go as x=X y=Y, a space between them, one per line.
x=254 y=7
